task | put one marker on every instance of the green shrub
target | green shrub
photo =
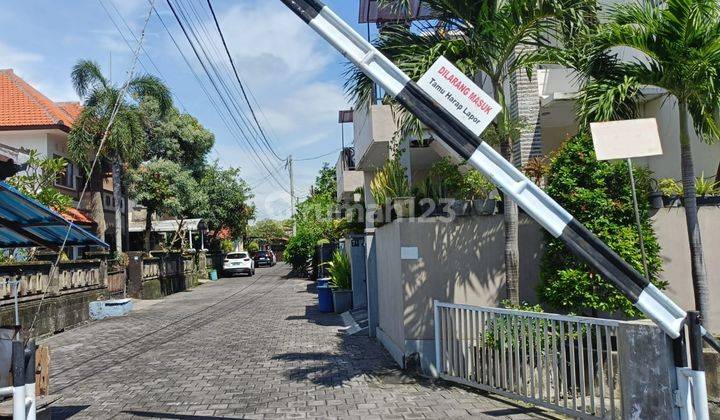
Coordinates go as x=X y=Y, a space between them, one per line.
x=226 y=245
x=597 y=194
x=476 y=186
x=253 y=247
x=300 y=249
x=339 y=269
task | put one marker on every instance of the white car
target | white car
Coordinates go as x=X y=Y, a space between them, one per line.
x=238 y=262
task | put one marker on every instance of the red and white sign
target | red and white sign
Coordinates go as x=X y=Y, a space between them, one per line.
x=455 y=92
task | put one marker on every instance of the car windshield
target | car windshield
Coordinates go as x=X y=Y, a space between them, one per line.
x=236 y=256
x=262 y=254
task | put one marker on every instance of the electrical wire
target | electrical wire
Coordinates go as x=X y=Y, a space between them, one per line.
x=237 y=77
x=204 y=88
x=127 y=42
x=317 y=157
x=221 y=63
x=177 y=14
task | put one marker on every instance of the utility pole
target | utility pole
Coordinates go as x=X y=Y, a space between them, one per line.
x=292 y=193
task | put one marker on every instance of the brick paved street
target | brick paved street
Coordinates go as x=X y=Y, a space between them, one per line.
x=243 y=348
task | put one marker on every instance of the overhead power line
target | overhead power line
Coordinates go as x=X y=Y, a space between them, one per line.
x=127 y=42
x=318 y=157
x=204 y=88
x=217 y=82
x=218 y=79
x=237 y=77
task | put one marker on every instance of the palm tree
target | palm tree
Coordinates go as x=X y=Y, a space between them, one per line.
x=491 y=40
x=678 y=50
x=125 y=141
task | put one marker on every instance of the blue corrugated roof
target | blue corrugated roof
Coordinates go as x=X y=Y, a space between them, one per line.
x=25 y=222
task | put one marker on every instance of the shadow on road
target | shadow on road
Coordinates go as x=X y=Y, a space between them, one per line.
x=65 y=412
x=155 y=415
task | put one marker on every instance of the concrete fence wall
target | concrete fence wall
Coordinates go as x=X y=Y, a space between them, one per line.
x=69 y=290
x=163 y=274
x=670 y=227
x=462 y=261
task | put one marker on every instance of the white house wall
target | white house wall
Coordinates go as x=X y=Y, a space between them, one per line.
x=705 y=156
x=27 y=139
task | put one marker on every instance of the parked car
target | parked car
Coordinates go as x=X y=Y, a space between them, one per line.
x=238 y=263
x=264 y=258
x=274 y=257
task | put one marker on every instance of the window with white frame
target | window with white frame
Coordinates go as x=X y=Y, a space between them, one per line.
x=66 y=178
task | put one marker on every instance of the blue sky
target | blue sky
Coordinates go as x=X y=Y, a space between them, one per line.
x=295 y=76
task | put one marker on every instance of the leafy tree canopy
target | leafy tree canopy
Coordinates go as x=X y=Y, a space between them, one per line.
x=229 y=197
x=267 y=230
x=176 y=136
x=326 y=182
x=127 y=140
x=166 y=188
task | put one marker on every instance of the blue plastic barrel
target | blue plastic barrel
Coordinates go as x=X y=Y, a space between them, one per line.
x=325 y=299
x=213 y=275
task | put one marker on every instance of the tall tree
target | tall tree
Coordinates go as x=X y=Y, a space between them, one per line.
x=164 y=187
x=491 y=40
x=267 y=231
x=125 y=142
x=325 y=182
x=677 y=49
x=229 y=197
x=176 y=136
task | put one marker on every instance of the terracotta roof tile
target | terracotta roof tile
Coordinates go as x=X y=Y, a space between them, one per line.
x=77 y=216
x=21 y=105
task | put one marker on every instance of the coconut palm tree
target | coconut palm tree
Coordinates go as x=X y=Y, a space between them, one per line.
x=489 y=40
x=126 y=139
x=677 y=48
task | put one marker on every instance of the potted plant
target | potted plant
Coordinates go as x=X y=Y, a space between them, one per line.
x=655 y=196
x=428 y=195
x=390 y=186
x=707 y=191
x=671 y=190
x=340 y=281
x=478 y=188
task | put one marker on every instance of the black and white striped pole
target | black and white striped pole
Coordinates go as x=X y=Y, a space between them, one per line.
x=466 y=142
x=22 y=390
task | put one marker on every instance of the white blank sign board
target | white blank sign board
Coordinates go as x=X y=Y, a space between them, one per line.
x=626 y=139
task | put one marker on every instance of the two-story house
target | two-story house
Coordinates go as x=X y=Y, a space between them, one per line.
x=31 y=121
x=410 y=262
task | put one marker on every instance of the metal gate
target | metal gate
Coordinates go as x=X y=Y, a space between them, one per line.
x=564 y=363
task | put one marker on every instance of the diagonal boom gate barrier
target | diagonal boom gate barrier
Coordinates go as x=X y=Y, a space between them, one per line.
x=464 y=139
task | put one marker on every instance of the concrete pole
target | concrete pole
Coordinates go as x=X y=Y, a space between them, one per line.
x=292 y=194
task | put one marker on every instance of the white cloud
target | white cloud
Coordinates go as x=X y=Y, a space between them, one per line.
x=16 y=59
x=29 y=66
x=270 y=45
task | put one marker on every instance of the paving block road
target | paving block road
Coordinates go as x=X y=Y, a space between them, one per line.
x=245 y=347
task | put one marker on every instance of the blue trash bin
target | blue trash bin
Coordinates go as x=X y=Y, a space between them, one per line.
x=323 y=282
x=325 y=299
x=213 y=275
